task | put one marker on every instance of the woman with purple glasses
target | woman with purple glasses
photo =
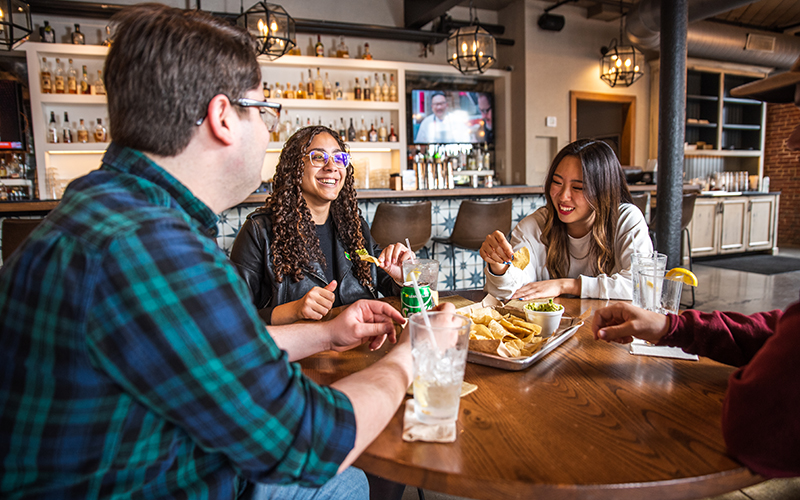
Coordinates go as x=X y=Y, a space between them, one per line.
x=298 y=252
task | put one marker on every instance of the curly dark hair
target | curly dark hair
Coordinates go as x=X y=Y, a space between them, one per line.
x=295 y=244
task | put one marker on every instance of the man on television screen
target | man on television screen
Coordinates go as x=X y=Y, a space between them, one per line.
x=441 y=126
x=485 y=107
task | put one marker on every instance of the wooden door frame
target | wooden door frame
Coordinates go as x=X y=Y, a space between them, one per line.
x=627 y=141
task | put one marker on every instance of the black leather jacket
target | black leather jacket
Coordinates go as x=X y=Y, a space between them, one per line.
x=251 y=255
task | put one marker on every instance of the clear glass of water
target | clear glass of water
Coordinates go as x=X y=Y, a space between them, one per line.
x=659 y=294
x=653 y=263
x=427 y=273
x=439 y=352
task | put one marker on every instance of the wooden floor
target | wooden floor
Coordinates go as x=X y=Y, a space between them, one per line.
x=726 y=290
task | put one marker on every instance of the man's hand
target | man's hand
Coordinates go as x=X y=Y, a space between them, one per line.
x=496 y=251
x=364 y=321
x=548 y=288
x=621 y=322
x=391 y=259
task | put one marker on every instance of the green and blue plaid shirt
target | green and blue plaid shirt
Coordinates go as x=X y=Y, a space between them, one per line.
x=133 y=363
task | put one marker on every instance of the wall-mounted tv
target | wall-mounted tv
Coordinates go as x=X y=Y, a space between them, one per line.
x=450 y=117
x=12 y=135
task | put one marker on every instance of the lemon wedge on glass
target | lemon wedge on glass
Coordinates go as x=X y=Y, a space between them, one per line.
x=684 y=275
x=413 y=275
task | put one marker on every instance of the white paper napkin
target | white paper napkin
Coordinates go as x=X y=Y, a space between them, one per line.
x=414 y=430
x=643 y=348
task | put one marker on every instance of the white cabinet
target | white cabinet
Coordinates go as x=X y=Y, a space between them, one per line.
x=734 y=224
x=69 y=161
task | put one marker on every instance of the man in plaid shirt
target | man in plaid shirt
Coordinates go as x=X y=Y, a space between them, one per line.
x=132 y=362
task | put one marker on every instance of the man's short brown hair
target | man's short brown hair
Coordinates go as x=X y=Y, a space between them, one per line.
x=164 y=67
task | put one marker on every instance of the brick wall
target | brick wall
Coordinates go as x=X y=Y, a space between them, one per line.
x=783 y=168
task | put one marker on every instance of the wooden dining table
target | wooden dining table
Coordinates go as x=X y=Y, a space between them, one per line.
x=588 y=421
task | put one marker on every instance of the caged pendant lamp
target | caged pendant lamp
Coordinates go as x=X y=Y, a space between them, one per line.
x=15 y=23
x=271 y=26
x=471 y=49
x=620 y=64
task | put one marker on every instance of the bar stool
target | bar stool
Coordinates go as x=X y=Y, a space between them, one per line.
x=394 y=222
x=14 y=233
x=687 y=211
x=475 y=221
x=640 y=200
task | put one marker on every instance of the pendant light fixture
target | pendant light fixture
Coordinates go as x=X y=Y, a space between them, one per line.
x=620 y=64
x=15 y=23
x=271 y=26
x=471 y=49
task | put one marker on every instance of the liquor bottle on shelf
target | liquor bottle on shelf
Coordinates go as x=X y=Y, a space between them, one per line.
x=99 y=86
x=392 y=89
x=373 y=134
x=357 y=91
x=60 y=85
x=327 y=90
x=319 y=49
x=107 y=39
x=277 y=93
x=382 y=135
x=265 y=91
x=297 y=124
x=351 y=131
x=319 y=88
x=289 y=92
x=66 y=130
x=338 y=93
x=342 y=50
x=83 y=132
x=48 y=33
x=384 y=89
x=376 y=90
x=367 y=90
x=46 y=77
x=100 y=132
x=72 y=79
x=52 y=129
x=363 y=133
x=367 y=54
x=77 y=36
x=85 y=86
x=392 y=135
x=342 y=130
x=301 y=88
x=319 y=121
x=310 y=86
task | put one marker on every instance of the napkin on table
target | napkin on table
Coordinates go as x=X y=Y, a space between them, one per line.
x=414 y=430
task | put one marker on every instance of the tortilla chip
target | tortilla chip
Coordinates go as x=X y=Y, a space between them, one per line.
x=522 y=258
x=487 y=346
x=370 y=258
x=479 y=332
x=467 y=388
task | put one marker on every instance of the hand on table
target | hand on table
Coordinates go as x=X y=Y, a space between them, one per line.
x=364 y=321
x=621 y=322
x=316 y=303
x=496 y=251
x=392 y=258
x=548 y=288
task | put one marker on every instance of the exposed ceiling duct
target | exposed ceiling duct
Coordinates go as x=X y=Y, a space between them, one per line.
x=709 y=40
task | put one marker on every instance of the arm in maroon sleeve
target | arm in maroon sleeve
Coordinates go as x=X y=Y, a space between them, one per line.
x=760 y=414
x=728 y=337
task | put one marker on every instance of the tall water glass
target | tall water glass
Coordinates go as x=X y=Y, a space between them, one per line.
x=427 y=273
x=659 y=294
x=439 y=353
x=653 y=263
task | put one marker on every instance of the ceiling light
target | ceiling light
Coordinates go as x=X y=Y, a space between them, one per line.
x=620 y=64
x=271 y=26
x=471 y=49
x=15 y=23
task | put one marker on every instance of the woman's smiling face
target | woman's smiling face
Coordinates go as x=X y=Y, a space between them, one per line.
x=321 y=185
x=566 y=191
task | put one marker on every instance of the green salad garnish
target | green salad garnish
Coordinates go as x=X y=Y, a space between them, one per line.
x=548 y=306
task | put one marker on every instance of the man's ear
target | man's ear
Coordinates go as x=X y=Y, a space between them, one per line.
x=220 y=119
